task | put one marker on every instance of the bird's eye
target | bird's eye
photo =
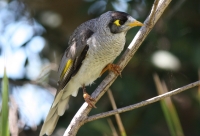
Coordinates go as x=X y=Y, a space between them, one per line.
x=119 y=22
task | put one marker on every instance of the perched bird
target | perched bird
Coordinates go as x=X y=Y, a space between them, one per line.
x=93 y=47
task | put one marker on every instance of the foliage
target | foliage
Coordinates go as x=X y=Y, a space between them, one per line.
x=177 y=32
x=4 y=128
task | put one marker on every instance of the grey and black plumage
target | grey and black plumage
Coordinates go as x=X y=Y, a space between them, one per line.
x=93 y=45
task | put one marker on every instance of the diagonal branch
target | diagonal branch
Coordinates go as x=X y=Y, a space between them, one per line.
x=81 y=115
x=143 y=103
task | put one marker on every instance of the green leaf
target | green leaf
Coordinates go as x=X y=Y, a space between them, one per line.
x=4 y=129
x=168 y=118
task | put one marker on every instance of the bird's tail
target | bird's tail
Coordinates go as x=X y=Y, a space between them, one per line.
x=57 y=109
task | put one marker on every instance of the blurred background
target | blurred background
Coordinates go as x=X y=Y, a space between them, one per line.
x=34 y=35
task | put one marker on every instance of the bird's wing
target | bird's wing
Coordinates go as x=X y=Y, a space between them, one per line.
x=70 y=64
x=73 y=56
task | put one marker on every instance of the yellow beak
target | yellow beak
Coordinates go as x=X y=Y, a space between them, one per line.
x=135 y=23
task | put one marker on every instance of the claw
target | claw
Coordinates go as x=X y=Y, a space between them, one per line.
x=112 y=67
x=116 y=69
x=88 y=98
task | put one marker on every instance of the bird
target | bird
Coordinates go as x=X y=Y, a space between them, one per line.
x=92 y=48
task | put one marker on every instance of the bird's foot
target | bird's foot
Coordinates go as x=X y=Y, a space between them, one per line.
x=116 y=69
x=112 y=67
x=88 y=98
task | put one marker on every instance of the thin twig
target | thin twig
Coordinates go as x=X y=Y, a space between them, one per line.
x=114 y=132
x=79 y=118
x=143 y=103
x=117 y=116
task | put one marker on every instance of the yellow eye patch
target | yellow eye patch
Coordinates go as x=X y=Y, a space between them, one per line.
x=117 y=23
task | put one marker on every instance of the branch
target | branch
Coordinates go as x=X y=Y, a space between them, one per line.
x=117 y=116
x=143 y=103
x=80 y=117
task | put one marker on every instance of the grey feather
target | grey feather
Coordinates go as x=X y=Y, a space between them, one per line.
x=62 y=106
x=52 y=111
x=92 y=46
x=57 y=99
x=76 y=52
x=49 y=125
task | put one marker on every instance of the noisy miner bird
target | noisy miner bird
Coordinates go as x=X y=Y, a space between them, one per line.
x=93 y=47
